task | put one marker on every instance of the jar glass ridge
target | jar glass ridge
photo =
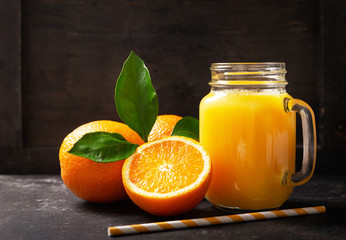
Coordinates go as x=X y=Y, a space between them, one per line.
x=265 y=75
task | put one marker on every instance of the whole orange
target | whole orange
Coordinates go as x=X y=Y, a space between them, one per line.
x=163 y=126
x=89 y=180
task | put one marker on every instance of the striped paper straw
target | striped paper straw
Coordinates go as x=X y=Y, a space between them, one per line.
x=199 y=222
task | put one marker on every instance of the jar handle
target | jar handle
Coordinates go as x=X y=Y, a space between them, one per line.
x=309 y=142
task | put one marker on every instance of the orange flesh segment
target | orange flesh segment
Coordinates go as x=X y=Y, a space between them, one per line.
x=168 y=167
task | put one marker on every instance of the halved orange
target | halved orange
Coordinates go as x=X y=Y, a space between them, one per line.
x=168 y=176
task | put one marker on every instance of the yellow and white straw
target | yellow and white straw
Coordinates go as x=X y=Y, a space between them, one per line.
x=198 y=222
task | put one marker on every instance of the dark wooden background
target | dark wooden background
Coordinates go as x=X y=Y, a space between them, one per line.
x=59 y=61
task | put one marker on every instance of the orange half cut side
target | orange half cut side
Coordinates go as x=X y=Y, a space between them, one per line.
x=168 y=176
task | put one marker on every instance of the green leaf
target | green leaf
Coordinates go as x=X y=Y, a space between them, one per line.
x=187 y=127
x=135 y=97
x=103 y=147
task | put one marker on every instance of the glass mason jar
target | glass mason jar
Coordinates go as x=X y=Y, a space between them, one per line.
x=248 y=126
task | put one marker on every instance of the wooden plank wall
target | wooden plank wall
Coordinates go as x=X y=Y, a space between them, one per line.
x=333 y=84
x=10 y=74
x=65 y=57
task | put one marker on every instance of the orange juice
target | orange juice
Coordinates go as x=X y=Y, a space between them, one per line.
x=251 y=141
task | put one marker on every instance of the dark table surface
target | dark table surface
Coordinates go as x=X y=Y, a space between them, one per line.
x=41 y=207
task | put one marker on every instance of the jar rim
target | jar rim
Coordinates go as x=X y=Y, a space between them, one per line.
x=250 y=63
x=250 y=66
x=259 y=73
